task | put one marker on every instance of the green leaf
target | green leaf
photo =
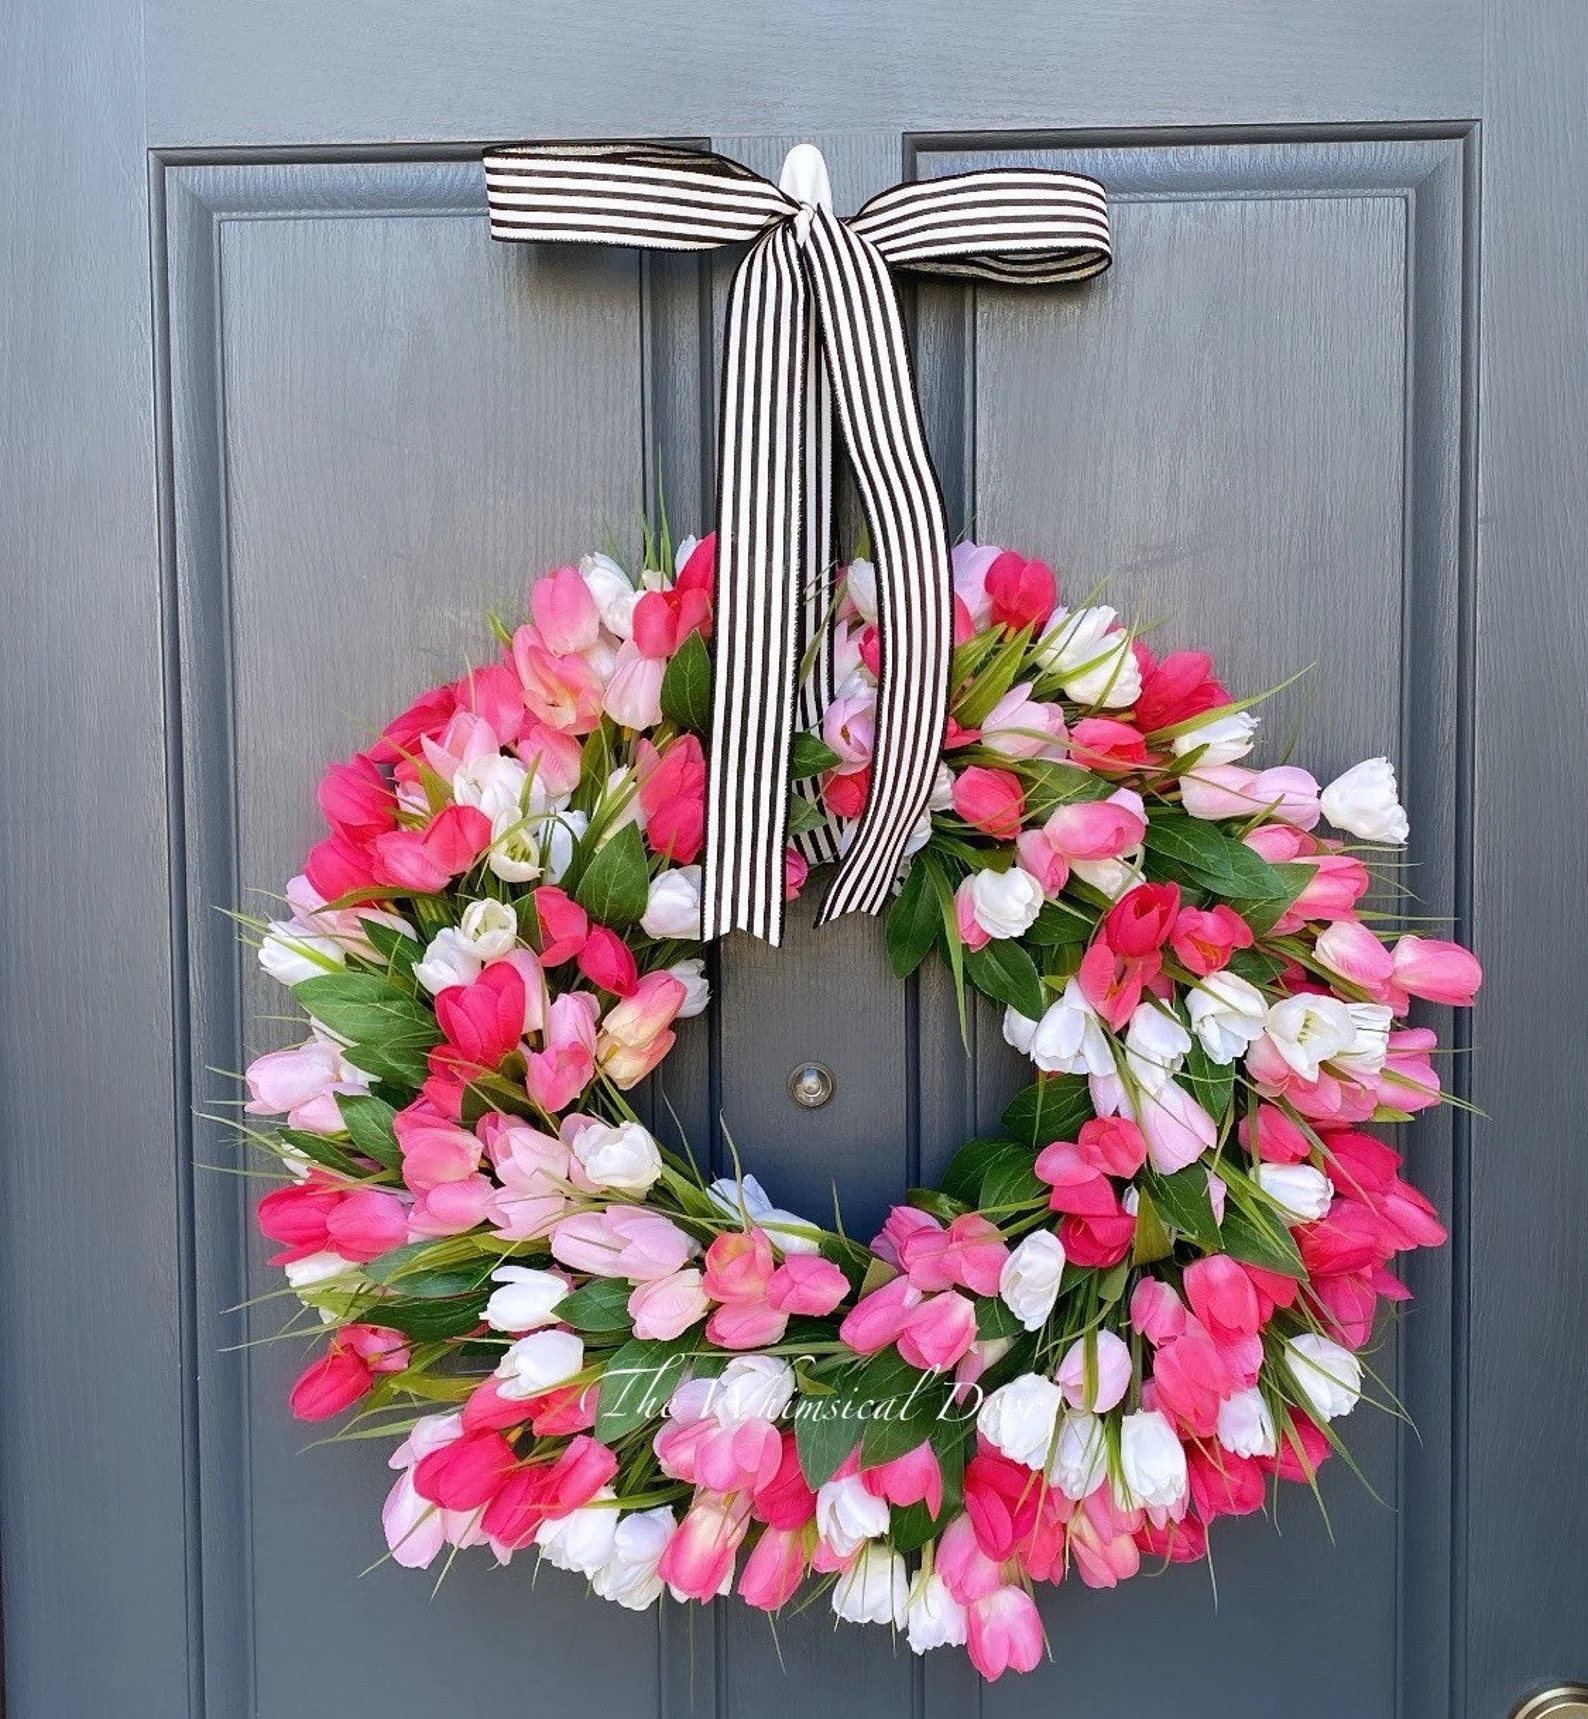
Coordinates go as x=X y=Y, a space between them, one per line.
x=1059 y=923
x=1010 y=1181
x=428 y=1320
x=1200 y=853
x=1052 y=1109
x=616 y=885
x=1005 y=972
x=1213 y=1083
x=1256 y=967
x=325 y=1152
x=636 y=1383
x=882 y=1391
x=366 y=1008
x=810 y=755
x=993 y=681
x=1051 y=784
x=804 y=815
x=398 y=949
x=1185 y=1204
x=1262 y=916
x=600 y=1305
x=686 y=686
x=914 y=922
x=995 y=1318
x=370 y=1123
x=398 y=1065
x=963 y=1178
x=1152 y=1240
x=1263 y=1242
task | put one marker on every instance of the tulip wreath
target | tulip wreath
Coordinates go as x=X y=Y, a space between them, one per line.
x=1142 y=1303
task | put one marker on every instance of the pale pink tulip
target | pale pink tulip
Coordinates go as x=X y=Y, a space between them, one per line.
x=1438 y=971
x=665 y=1307
x=565 y=611
x=556 y=1074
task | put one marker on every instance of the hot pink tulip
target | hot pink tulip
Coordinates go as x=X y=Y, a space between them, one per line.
x=565 y=612
x=914 y=1478
x=357 y=800
x=1112 y=1144
x=434 y=1148
x=1022 y=593
x=991 y=801
x=1279 y=1139
x=1224 y=1484
x=1204 y=939
x=1156 y=1311
x=1190 y=1380
x=1222 y=1297
x=426 y=861
x=1004 y=1631
x=806 y=1283
x=1440 y=972
x=1113 y=983
x=1355 y=953
x=967 y=1571
x=467 y=1473
x=1108 y=746
x=564 y=925
x=366 y=1223
x=485 y=1020
x=1079 y=1187
x=774 y=1570
x=607 y=961
x=672 y=794
x=786 y=1500
x=331 y=1383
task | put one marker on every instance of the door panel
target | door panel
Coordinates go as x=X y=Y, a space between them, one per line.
x=285 y=428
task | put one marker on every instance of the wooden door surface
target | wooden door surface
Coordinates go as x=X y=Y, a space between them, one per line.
x=279 y=424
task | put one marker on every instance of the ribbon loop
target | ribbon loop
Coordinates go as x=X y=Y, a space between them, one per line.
x=814 y=328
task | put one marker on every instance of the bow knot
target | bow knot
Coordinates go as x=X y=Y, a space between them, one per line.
x=813 y=328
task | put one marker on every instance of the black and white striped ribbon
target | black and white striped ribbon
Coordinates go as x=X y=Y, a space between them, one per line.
x=813 y=329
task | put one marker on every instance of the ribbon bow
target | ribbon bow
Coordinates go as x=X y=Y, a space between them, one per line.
x=813 y=323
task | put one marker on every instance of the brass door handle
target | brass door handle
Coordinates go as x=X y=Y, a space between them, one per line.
x=1564 y=1701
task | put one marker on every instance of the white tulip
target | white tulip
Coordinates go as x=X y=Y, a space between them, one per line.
x=316 y=1270
x=863 y=588
x=1069 y=1039
x=932 y=1616
x=621 y=1157
x=583 y=1540
x=489 y=929
x=751 y=1388
x=1246 y=1425
x=1019 y=1418
x=514 y=854
x=1029 y=1280
x=1302 y=1193
x=1368 y=1049
x=527 y=1299
x=1112 y=877
x=875 y=1589
x=629 y=1578
x=1227 y=1014
x=942 y=798
x=1307 y=1030
x=1005 y=903
x=673 y=906
x=613 y=591
x=538 y=1362
x=1080 y=1456
x=559 y=835
x=1152 y=1460
x=1155 y=1046
x=1093 y=665
x=449 y=960
x=1364 y=802
x=1224 y=740
x=292 y=953
x=1328 y=1376
x=691 y=974
x=847 y=1515
x=495 y=784
x=748 y=1199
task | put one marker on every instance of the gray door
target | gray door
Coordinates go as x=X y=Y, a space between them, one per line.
x=278 y=424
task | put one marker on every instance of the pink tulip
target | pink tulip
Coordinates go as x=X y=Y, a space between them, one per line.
x=1292 y=795
x=1112 y=1144
x=451 y=1208
x=493 y=694
x=1004 y=1631
x=991 y=801
x=774 y=1570
x=1020 y=726
x=1222 y=1297
x=366 y=1223
x=745 y=1325
x=636 y=1034
x=552 y=757
x=967 y=1571
x=739 y=1266
x=338 y=867
x=1437 y=971
x=698 y=1560
x=1355 y=953
x=1279 y=1139
x=1102 y=1541
x=1190 y=1380
x=633 y=696
x=434 y=1148
x=535 y=1171
x=972 y=933
x=426 y=861
x=1079 y=1187
x=565 y=612
x=849 y=727
x=805 y=1283
x=665 y=1307
x=880 y=1318
x=1098 y=829
x=975 y=1253
x=1178 y=1130
x=556 y=1074
x=1156 y=1311
x=1338 y=883
x=796 y=868
x=560 y=689
x=1108 y=746
x=1205 y=939
x=1408 y=1080
x=914 y=1478
x=938 y=1332
x=622 y=1241
x=301 y=1083
x=1218 y=791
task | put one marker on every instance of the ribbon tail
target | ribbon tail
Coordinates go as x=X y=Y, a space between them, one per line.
x=760 y=551
x=868 y=360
